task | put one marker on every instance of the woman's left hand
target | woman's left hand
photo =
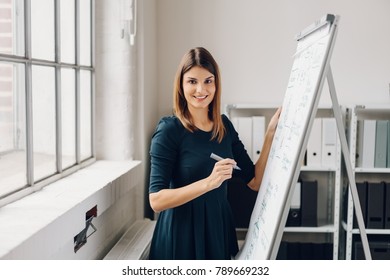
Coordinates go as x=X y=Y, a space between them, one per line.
x=272 y=125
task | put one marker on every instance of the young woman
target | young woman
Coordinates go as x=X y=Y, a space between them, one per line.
x=188 y=188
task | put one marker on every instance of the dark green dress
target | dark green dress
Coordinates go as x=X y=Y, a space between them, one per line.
x=202 y=228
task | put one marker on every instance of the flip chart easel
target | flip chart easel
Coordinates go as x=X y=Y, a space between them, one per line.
x=310 y=69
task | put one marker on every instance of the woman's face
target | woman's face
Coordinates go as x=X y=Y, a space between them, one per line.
x=199 y=88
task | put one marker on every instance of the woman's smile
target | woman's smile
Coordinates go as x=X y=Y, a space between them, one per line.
x=201 y=98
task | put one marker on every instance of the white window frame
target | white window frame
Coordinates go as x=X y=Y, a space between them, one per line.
x=28 y=62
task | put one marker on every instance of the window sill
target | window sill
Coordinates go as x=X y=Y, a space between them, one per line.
x=77 y=193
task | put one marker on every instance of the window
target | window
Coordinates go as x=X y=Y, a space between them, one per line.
x=46 y=91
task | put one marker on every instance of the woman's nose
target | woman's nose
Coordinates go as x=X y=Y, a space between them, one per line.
x=199 y=88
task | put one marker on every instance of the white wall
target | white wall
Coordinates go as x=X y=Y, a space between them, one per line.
x=253 y=42
x=147 y=87
x=118 y=131
x=126 y=87
x=115 y=85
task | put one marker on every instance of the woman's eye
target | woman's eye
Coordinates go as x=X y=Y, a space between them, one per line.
x=209 y=81
x=192 y=82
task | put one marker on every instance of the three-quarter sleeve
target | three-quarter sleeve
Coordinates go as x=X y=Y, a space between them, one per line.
x=240 y=154
x=163 y=153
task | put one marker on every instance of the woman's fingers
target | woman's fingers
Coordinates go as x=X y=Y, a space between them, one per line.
x=222 y=171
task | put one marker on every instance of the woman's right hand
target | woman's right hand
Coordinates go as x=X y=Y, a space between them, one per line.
x=170 y=198
x=222 y=171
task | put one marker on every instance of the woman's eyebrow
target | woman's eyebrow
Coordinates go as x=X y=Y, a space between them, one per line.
x=191 y=78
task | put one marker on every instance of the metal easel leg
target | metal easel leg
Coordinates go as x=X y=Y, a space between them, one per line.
x=347 y=160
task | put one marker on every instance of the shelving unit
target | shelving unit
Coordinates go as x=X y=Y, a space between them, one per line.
x=329 y=184
x=354 y=114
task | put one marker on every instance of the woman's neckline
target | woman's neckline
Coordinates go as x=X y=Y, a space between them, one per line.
x=205 y=131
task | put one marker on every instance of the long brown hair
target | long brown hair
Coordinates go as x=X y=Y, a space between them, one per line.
x=198 y=57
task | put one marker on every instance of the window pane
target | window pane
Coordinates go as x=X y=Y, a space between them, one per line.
x=68 y=17
x=85 y=115
x=12 y=128
x=44 y=137
x=76 y=112
x=42 y=29
x=12 y=27
x=85 y=32
x=68 y=107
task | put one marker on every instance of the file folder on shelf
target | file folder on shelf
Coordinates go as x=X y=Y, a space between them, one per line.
x=314 y=147
x=388 y=144
x=379 y=250
x=375 y=205
x=258 y=126
x=387 y=206
x=381 y=144
x=243 y=126
x=329 y=142
x=294 y=215
x=362 y=193
x=309 y=191
x=366 y=143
